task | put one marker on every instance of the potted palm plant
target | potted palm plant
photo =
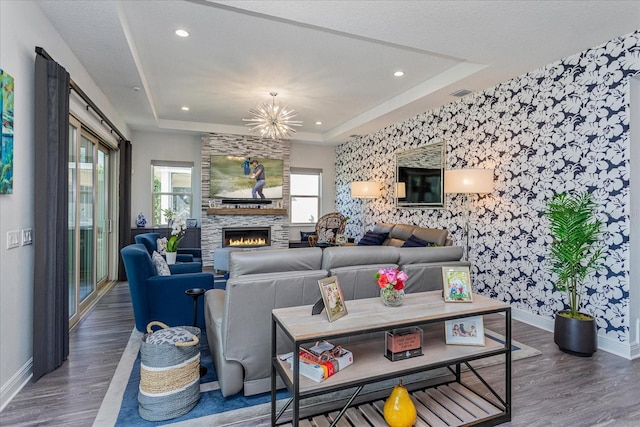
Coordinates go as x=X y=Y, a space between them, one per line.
x=575 y=252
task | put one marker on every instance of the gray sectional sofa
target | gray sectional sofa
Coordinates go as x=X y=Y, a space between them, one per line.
x=238 y=319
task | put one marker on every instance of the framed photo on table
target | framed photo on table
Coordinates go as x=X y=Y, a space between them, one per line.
x=332 y=297
x=465 y=331
x=457 y=284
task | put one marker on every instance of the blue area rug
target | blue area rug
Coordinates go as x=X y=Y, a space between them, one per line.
x=120 y=405
x=211 y=402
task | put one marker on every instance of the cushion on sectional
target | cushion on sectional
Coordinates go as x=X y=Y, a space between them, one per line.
x=372 y=239
x=162 y=268
x=416 y=242
x=327 y=235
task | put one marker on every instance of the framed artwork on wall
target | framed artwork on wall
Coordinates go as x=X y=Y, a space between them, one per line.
x=6 y=144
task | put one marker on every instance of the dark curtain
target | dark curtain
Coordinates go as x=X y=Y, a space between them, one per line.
x=124 y=187
x=51 y=275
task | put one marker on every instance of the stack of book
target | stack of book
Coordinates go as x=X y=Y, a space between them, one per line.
x=318 y=368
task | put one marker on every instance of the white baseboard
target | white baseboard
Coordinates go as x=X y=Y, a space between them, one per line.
x=15 y=384
x=623 y=349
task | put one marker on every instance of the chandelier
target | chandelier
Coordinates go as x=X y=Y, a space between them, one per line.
x=271 y=120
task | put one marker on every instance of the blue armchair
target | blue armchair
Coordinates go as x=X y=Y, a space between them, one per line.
x=161 y=298
x=150 y=241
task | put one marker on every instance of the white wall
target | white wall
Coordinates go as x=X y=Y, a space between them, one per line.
x=316 y=157
x=147 y=146
x=23 y=26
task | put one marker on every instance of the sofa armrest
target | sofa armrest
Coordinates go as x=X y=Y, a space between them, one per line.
x=184 y=257
x=194 y=252
x=167 y=301
x=230 y=373
x=187 y=267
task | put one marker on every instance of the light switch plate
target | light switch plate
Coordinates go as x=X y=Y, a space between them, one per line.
x=13 y=239
x=27 y=236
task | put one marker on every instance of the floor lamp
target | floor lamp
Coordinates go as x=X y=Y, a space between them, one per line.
x=365 y=190
x=466 y=182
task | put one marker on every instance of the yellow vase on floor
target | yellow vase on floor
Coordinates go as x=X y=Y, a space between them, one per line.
x=399 y=410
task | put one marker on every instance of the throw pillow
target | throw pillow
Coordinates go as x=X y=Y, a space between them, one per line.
x=372 y=239
x=416 y=242
x=161 y=245
x=327 y=235
x=170 y=336
x=162 y=268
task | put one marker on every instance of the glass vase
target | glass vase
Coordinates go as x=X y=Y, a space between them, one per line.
x=391 y=297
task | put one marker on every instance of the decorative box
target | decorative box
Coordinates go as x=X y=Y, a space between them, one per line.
x=403 y=343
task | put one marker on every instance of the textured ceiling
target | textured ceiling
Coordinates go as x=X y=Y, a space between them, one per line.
x=331 y=61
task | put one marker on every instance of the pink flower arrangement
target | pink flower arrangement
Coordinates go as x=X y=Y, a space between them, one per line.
x=391 y=278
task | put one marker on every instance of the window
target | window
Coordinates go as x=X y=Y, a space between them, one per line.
x=171 y=189
x=305 y=195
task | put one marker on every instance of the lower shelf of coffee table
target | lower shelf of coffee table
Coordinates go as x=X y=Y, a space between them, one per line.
x=442 y=406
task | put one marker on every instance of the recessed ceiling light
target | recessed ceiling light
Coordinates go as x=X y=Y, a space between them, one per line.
x=399 y=73
x=318 y=123
x=185 y=108
x=182 y=33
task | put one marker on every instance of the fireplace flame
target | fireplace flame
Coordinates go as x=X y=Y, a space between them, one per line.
x=247 y=242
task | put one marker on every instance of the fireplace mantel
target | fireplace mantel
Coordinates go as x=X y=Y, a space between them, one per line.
x=246 y=211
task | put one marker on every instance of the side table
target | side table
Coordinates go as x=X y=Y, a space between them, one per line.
x=195 y=293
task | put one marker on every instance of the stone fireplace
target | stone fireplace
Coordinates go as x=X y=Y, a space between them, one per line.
x=246 y=237
x=214 y=221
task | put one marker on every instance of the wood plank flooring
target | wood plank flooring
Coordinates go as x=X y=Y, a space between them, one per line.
x=553 y=389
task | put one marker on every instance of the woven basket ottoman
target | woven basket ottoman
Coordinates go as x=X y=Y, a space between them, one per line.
x=169 y=372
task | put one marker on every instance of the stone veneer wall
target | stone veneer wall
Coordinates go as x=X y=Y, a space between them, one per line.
x=245 y=146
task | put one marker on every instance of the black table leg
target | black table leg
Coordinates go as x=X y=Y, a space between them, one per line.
x=195 y=293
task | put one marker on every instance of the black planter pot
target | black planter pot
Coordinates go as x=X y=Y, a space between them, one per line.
x=575 y=336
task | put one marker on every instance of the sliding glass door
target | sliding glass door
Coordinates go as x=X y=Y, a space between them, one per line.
x=88 y=218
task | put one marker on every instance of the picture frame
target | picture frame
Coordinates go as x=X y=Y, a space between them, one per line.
x=465 y=331
x=332 y=297
x=457 y=284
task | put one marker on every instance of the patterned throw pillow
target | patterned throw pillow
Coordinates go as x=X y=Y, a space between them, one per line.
x=326 y=235
x=162 y=268
x=170 y=336
x=161 y=245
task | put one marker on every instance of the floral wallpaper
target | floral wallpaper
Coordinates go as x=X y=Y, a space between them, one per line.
x=562 y=127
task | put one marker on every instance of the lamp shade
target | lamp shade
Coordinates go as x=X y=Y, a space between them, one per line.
x=365 y=189
x=401 y=190
x=468 y=181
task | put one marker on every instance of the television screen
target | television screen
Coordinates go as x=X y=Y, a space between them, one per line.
x=423 y=186
x=230 y=177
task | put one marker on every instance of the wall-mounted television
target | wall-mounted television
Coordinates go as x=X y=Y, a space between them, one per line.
x=229 y=177
x=422 y=172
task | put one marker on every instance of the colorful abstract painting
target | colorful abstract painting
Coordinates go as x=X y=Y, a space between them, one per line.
x=6 y=151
